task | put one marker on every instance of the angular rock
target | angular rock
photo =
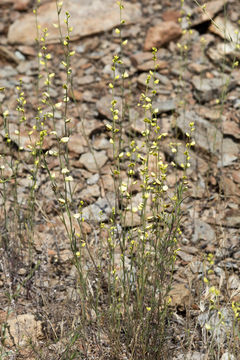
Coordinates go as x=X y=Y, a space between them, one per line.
x=21 y=5
x=230 y=188
x=89 y=193
x=203 y=231
x=223 y=51
x=230 y=153
x=137 y=121
x=197 y=189
x=93 y=161
x=66 y=255
x=180 y=295
x=207 y=89
x=140 y=58
x=108 y=182
x=231 y=128
x=198 y=68
x=220 y=330
x=171 y=15
x=90 y=127
x=163 y=87
x=165 y=106
x=88 y=96
x=234 y=282
x=214 y=55
x=197 y=267
x=28 y=68
x=101 y=143
x=8 y=55
x=104 y=105
x=196 y=163
x=228 y=356
x=226 y=160
x=195 y=355
x=86 y=18
x=27 y=50
x=232 y=219
x=225 y=29
x=23 y=328
x=7 y=71
x=85 y=80
x=132 y=220
x=93 y=179
x=212 y=8
x=211 y=114
x=236 y=176
x=24 y=140
x=143 y=62
x=99 y=211
x=206 y=135
x=77 y=144
x=151 y=65
x=162 y=34
x=236 y=76
x=185 y=256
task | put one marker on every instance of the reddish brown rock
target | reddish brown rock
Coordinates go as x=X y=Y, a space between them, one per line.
x=87 y=18
x=88 y=127
x=151 y=65
x=162 y=34
x=171 y=15
x=8 y=55
x=89 y=193
x=197 y=68
x=236 y=176
x=77 y=143
x=231 y=128
x=232 y=218
x=27 y=50
x=180 y=295
x=104 y=106
x=21 y=5
x=230 y=188
x=23 y=328
x=141 y=57
x=143 y=61
x=108 y=182
x=75 y=94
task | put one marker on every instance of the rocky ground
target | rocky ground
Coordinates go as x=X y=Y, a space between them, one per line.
x=197 y=71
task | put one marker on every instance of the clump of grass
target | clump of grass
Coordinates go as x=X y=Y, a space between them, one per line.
x=148 y=251
x=129 y=297
x=124 y=283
